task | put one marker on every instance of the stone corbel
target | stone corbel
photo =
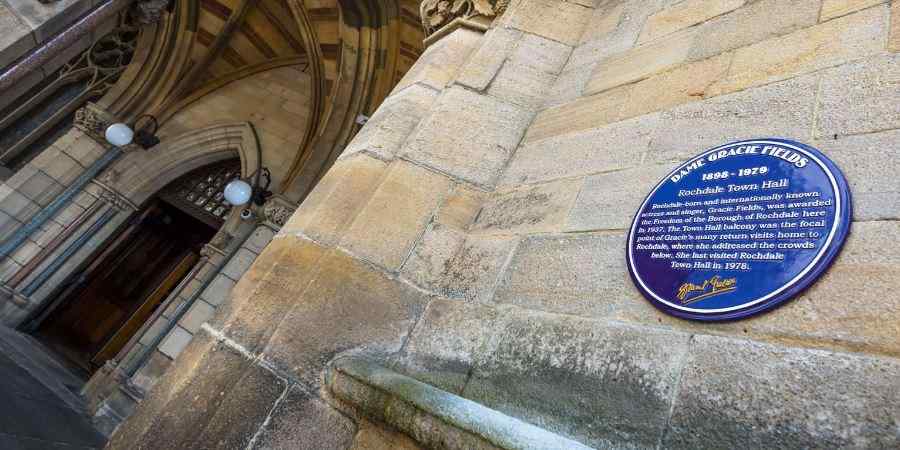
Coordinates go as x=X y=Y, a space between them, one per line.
x=93 y=121
x=440 y=17
x=115 y=199
x=276 y=212
x=148 y=12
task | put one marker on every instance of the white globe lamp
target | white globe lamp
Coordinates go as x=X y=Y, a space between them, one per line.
x=119 y=134
x=238 y=192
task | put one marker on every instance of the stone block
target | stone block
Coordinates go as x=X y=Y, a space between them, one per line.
x=683 y=84
x=153 y=331
x=258 y=307
x=557 y=20
x=388 y=226
x=443 y=347
x=641 y=62
x=783 y=109
x=621 y=378
x=83 y=149
x=17 y=205
x=337 y=199
x=349 y=305
x=468 y=136
x=57 y=165
x=540 y=54
x=8 y=269
x=393 y=122
x=46 y=19
x=608 y=201
x=460 y=208
x=578 y=115
x=38 y=187
x=303 y=422
x=456 y=265
x=199 y=313
x=683 y=15
x=608 y=148
x=860 y=97
x=442 y=61
x=532 y=209
x=218 y=290
x=743 y=394
x=16 y=38
x=49 y=231
x=837 y=8
x=498 y=43
x=894 y=33
x=68 y=214
x=25 y=252
x=175 y=342
x=568 y=86
x=832 y=43
x=757 y=21
x=244 y=409
x=605 y=19
x=239 y=263
x=8 y=225
x=259 y=239
x=521 y=85
x=868 y=161
x=377 y=437
x=582 y=275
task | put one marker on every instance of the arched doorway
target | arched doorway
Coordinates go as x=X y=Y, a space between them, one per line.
x=101 y=308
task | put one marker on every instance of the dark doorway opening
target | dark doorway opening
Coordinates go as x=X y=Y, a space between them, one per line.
x=125 y=283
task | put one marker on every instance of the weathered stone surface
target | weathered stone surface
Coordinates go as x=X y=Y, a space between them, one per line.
x=46 y=19
x=469 y=136
x=199 y=313
x=860 y=97
x=828 y=44
x=175 y=342
x=443 y=346
x=641 y=62
x=244 y=409
x=16 y=36
x=757 y=21
x=386 y=229
x=868 y=162
x=604 y=20
x=482 y=67
x=393 y=122
x=218 y=290
x=377 y=437
x=58 y=165
x=258 y=308
x=838 y=8
x=582 y=275
x=456 y=265
x=743 y=394
x=894 y=33
x=460 y=208
x=39 y=187
x=441 y=62
x=259 y=239
x=608 y=201
x=238 y=264
x=613 y=147
x=683 y=84
x=568 y=86
x=621 y=377
x=530 y=71
x=348 y=306
x=17 y=205
x=532 y=209
x=326 y=213
x=544 y=17
x=783 y=109
x=303 y=422
x=683 y=15
x=578 y=115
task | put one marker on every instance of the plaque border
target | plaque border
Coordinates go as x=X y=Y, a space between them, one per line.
x=806 y=277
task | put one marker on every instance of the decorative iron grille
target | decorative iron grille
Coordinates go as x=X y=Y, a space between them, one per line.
x=200 y=192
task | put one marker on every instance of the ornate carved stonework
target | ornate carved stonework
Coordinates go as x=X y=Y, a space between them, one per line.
x=277 y=211
x=438 y=13
x=93 y=121
x=115 y=199
x=148 y=12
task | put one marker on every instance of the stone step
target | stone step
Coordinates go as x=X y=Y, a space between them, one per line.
x=434 y=417
x=37 y=360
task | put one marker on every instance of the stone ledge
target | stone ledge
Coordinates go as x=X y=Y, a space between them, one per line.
x=431 y=415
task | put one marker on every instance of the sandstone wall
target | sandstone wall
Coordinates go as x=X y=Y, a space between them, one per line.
x=473 y=235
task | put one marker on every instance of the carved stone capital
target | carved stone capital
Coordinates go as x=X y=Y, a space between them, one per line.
x=148 y=12
x=115 y=199
x=93 y=121
x=277 y=211
x=437 y=14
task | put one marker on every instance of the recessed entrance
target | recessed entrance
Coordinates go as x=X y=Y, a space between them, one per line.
x=102 y=308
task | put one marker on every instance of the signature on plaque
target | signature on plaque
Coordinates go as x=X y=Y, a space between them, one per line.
x=690 y=292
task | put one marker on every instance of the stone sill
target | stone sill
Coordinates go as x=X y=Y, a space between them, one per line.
x=433 y=417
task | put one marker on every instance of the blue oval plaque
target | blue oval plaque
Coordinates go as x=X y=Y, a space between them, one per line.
x=739 y=229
